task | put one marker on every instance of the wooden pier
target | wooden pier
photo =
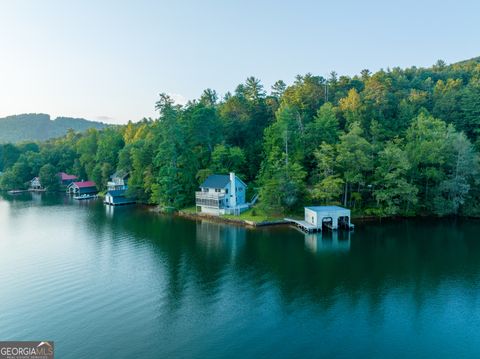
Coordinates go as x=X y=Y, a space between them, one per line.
x=303 y=225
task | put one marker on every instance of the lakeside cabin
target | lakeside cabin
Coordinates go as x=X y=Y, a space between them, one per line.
x=317 y=217
x=83 y=187
x=36 y=185
x=116 y=188
x=66 y=179
x=118 y=181
x=222 y=194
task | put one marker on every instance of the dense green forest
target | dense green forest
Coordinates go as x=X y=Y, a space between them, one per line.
x=394 y=142
x=39 y=127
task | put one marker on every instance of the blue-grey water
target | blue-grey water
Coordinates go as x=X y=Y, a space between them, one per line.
x=126 y=283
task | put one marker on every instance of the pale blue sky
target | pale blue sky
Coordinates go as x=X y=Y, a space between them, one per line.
x=109 y=60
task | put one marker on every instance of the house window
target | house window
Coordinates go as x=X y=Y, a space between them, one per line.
x=226 y=190
x=240 y=189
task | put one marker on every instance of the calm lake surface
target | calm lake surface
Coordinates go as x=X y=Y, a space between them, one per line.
x=125 y=283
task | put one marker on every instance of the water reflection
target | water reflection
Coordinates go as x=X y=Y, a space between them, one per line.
x=170 y=283
x=36 y=197
x=220 y=238
x=328 y=241
x=377 y=256
x=109 y=211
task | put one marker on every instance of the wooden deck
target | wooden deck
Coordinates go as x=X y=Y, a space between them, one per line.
x=303 y=225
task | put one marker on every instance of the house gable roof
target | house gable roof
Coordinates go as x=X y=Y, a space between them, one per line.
x=218 y=181
x=241 y=181
x=120 y=174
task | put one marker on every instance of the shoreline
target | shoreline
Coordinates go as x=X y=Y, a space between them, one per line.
x=219 y=219
x=281 y=222
x=360 y=219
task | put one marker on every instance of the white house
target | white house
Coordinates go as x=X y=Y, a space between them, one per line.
x=222 y=194
x=35 y=184
x=118 y=181
x=117 y=187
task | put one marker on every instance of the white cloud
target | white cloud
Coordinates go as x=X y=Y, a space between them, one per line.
x=178 y=99
x=105 y=119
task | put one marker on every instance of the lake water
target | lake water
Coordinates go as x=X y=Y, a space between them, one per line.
x=126 y=283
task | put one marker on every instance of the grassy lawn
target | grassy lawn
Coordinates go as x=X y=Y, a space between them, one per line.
x=255 y=215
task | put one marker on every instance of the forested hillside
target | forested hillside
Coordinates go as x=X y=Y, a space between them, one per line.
x=39 y=127
x=394 y=142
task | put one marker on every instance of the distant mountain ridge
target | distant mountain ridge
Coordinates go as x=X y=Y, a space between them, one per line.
x=39 y=127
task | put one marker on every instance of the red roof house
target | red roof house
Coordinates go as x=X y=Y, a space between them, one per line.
x=66 y=179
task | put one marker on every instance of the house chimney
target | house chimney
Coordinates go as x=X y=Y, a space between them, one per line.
x=233 y=190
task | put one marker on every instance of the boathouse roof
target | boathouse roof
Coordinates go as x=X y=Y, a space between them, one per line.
x=117 y=193
x=84 y=184
x=326 y=208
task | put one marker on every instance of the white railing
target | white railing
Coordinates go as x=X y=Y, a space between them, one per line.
x=115 y=185
x=209 y=199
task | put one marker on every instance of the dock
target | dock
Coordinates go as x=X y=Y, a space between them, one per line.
x=116 y=204
x=303 y=225
x=17 y=191
x=85 y=196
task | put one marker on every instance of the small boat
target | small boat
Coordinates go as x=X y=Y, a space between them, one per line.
x=17 y=191
x=85 y=196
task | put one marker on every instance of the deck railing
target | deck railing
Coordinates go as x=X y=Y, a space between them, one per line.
x=209 y=199
x=111 y=185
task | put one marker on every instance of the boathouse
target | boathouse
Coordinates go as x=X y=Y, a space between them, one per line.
x=116 y=190
x=332 y=216
x=83 y=187
x=222 y=194
x=66 y=179
x=317 y=217
x=117 y=198
x=35 y=184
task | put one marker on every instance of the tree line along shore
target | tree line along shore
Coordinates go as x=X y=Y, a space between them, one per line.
x=398 y=142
